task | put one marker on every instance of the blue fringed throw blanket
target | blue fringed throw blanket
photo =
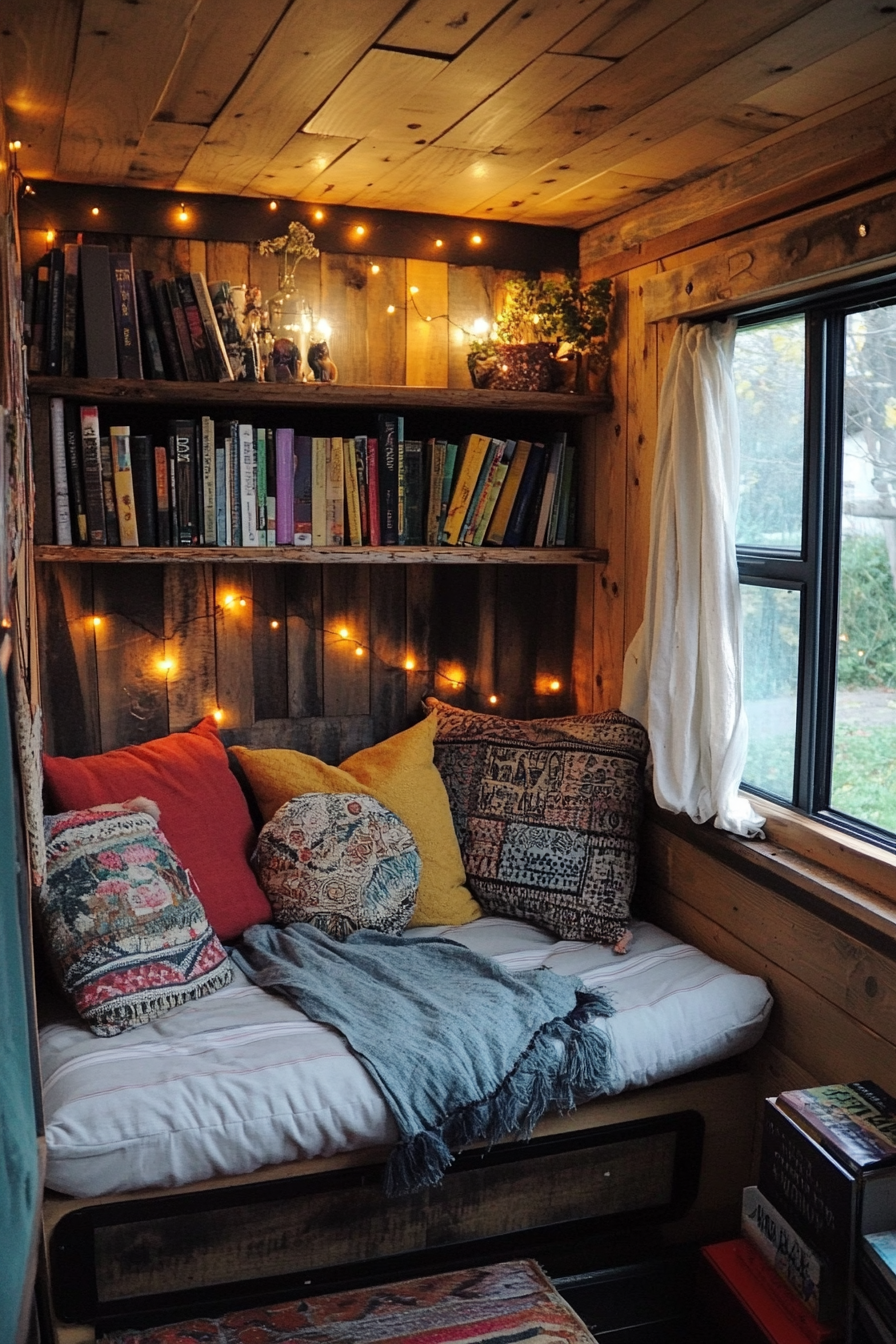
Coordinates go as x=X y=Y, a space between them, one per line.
x=461 y=1048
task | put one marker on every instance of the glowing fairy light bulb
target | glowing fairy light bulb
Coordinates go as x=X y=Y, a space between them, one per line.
x=409 y=664
x=343 y=633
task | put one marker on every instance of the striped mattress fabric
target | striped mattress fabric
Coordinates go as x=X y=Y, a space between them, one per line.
x=241 y=1080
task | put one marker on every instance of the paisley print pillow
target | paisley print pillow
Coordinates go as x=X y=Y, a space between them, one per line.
x=340 y=861
x=125 y=931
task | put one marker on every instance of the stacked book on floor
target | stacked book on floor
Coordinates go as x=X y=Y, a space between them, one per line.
x=217 y=482
x=817 y=1258
x=90 y=313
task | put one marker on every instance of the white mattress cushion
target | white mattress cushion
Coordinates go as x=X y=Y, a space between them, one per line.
x=239 y=1080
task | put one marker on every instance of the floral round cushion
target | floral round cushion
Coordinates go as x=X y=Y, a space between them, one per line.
x=340 y=861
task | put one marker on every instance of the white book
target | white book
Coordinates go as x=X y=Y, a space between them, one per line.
x=228 y=491
x=319 y=452
x=207 y=517
x=61 y=508
x=335 y=493
x=248 y=501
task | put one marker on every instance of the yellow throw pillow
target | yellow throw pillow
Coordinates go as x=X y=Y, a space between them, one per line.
x=401 y=775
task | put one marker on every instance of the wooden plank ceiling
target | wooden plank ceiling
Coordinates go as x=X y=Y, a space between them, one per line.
x=544 y=111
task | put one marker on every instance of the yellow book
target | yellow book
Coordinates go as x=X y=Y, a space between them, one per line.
x=352 y=493
x=120 y=444
x=335 y=493
x=475 y=449
x=319 y=451
x=501 y=517
x=494 y=491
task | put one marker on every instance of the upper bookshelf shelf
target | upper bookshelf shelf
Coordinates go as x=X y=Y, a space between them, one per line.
x=326 y=555
x=317 y=395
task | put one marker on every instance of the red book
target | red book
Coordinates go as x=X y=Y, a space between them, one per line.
x=767 y=1300
x=373 y=492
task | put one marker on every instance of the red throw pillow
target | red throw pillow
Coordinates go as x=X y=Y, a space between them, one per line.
x=203 y=813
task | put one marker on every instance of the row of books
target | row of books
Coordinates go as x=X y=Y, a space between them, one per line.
x=819 y=1228
x=89 y=313
x=230 y=483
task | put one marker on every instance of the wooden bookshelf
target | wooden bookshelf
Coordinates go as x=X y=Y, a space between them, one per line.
x=324 y=555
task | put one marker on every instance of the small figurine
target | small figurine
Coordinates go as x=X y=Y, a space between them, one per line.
x=284 y=362
x=320 y=363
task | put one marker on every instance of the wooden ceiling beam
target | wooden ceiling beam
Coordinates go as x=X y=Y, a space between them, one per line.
x=822 y=160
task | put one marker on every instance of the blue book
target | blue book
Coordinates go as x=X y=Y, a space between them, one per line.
x=526 y=497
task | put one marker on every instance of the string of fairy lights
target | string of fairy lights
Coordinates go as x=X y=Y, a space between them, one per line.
x=449 y=675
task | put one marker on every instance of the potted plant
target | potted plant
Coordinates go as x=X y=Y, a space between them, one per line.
x=550 y=334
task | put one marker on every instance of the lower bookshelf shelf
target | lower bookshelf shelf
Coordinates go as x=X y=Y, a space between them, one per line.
x=324 y=555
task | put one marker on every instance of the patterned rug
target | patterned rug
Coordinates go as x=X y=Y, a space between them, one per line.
x=511 y=1303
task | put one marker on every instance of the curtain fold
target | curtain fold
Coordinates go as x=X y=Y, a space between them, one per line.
x=683 y=669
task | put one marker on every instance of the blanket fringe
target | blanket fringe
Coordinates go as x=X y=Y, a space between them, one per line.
x=567 y=1060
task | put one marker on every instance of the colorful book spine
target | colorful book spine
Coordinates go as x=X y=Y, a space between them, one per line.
x=217 y=351
x=402 y=485
x=480 y=494
x=196 y=328
x=790 y=1255
x=552 y=476
x=271 y=498
x=447 y=487
x=247 y=486
x=363 y=497
x=302 y=492
x=501 y=516
x=856 y=1122
x=71 y=276
x=320 y=448
x=127 y=327
x=120 y=443
x=285 y=452
x=335 y=493
x=92 y=463
x=61 y=510
x=373 y=490
x=388 y=478
x=163 y=495
x=435 y=453
x=491 y=501
x=209 y=529
x=76 y=494
x=472 y=453
x=352 y=492
x=261 y=485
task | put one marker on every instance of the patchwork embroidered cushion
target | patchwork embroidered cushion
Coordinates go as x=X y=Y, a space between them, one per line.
x=126 y=933
x=548 y=815
x=340 y=861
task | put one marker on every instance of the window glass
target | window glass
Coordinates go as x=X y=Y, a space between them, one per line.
x=769 y=375
x=771 y=621
x=863 y=779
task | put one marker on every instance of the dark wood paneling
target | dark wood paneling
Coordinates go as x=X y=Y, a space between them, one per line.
x=269 y=633
x=130 y=650
x=305 y=663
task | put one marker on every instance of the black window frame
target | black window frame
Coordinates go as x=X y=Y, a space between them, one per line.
x=814 y=571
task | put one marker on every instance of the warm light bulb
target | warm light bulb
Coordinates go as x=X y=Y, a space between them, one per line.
x=242 y=601
x=536 y=318
x=97 y=621
x=95 y=210
x=374 y=270
x=359 y=652
x=275 y=625
x=14 y=145
x=554 y=684
x=324 y=328
x=229 y=600
x=183 y=213
x=165 y=665
x=415 y=289
x=493 y=699
x=343 y=633
x=29 y=190
x=480 y=326
x=439 y=243
x=391 y=308
x=409 y=664
x=6 y=623
x=272 y=205
x=476 y=239
x=218 y=715
x=51 y=236
x=318 y=215
x=360 y=230
x=429 y=319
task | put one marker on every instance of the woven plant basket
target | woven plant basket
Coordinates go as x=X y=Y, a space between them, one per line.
x=516 y=368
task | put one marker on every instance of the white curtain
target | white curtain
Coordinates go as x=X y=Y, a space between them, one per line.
x=683 y=669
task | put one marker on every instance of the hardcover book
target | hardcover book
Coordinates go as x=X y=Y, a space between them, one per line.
x=182 y=331
x=261 y=486
x=753 y=1292
x=143 y=472
x=221 y=452
x=302 y=492
x=234 y=505
x=472 y=453
x=55 y=308
x=352 y=492
x=75 y=472
x=127 y=328
x=163 y=496
x=98 y=313
x=565 y=534
x=150 y=344
x=182 y=451
x=271 y=498
x=109 y=503
x=526 y=497
x=447 y=487
x=551 y=482
x=320 y=450
x=880 y=1249
x=92 y=463
x=854 y=1121
x=70 y=281
x=335 y=493
x=169 y=341
x=373 y=491
x=120 y=442
x=413 y=492
x=208 y=529
x=217 y=350
x=792 y=1258
x=491 y=501
x=501 y=516
x=201 y=352
x=61 y=511
x=433 y=470
x=493 y=457
x=387 y=482
x=285 y=452
x=248 y=486
x=363 y=498
x=39 y=316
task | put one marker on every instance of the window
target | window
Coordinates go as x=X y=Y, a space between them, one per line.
x=816 y=534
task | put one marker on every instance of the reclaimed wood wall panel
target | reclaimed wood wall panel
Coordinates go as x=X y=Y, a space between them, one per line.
x=262 y=645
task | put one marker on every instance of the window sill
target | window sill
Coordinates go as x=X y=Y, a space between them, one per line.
x=846 y=882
